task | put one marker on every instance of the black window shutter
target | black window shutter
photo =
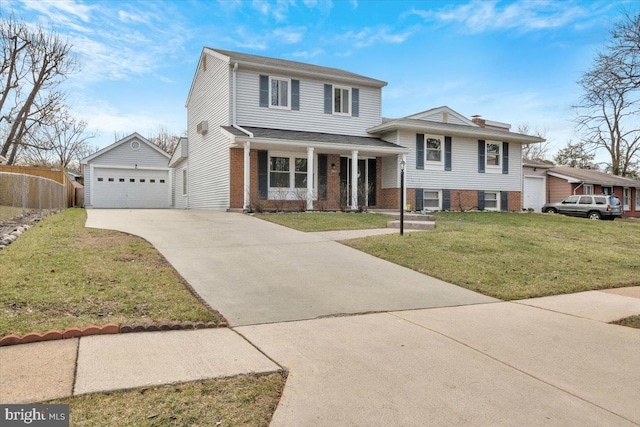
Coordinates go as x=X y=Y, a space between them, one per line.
x=447 y=153
x=372 y=172
x=481 y=200
x=355 y=102
x=419 y=151
x=322 y=176
x=481 y=154
x=264 y=91
x=328 y=99
x=419 y=199
x=505 y=157
x=295 y=94
x=504 y=202
x=446 y=200
x=263 y=174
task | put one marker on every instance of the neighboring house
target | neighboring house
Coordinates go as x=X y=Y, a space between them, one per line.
x=563 y=182
x=265 y=132
x=130 y=173
x=534 y=184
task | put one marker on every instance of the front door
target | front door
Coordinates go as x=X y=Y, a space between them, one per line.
x=366 y=181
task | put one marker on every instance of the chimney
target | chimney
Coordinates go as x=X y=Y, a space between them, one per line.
x=477 y=119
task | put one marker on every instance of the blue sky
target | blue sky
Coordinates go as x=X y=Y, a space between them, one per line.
x=510 y=61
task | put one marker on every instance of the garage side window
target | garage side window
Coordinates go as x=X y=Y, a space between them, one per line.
x=184 y=182
x=100 y=179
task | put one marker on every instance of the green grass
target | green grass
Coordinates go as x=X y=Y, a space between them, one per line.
x=327 y=221
x=513 y=256
x=240 y=401
x=60 y=274
x=632 y=322
x=8 y=212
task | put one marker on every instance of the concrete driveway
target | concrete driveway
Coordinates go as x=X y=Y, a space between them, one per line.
x=257 y=272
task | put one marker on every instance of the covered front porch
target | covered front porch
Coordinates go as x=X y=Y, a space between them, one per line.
x=291 y=170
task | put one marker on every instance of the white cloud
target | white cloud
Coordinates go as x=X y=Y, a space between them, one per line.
x=381 y=34
x=60 y=10
x=289 y=35
x=524 y=15
x=307 y=54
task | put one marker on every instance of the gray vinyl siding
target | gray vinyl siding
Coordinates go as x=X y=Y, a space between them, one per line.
x=311 y=116
x=464 y=174
x=179 y=200
x=208 y=172
x=390 y=170
x=124 y=156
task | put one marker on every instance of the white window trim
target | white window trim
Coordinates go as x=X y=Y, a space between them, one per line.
x=498 y=198
x=585 y=190
x=432 y=164
x=279 y=107
x=291 y=192
x=626 y=205
x=493 y=168
x=333 y=100
x=439 y=199
x=184 y=182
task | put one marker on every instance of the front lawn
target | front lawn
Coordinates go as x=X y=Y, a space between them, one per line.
x=327 y=221
x=60 y=274
x=240 y=401
x=632 y=322
x=512 y=256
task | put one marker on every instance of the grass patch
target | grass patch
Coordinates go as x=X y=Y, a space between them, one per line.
x=9 y=212
x=327 y=221
x=239 y=401
x=60 y=274
x=513 y=256
x=632 y=322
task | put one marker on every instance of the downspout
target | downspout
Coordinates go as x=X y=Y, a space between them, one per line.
x=233 y=105
x=576 y=189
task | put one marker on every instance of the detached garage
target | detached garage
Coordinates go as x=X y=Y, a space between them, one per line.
x=131 y=173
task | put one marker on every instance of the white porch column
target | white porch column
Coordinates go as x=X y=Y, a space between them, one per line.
x=247 y=175
x=309 y=178
x=354 y=180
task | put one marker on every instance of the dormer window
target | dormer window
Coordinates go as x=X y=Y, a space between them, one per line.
x=279 y=93
x=341 y=100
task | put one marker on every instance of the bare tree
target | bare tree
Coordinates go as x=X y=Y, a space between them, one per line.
x=538 y=151
x=576 y=155
x=61 y=144
x=164 y=139
x=35 y=62
x=609 y=106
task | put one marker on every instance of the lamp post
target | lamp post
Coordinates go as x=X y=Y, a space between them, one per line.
x=402 y=165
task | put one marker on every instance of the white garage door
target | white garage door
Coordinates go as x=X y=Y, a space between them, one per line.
x=534 y=195
x=130 y=188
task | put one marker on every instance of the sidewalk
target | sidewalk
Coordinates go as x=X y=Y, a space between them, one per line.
x=55 y=369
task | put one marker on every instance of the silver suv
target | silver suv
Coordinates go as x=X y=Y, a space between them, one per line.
x=592 y=207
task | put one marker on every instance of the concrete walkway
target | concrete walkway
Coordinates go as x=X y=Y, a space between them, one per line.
x=55 y=369
x=255 y=272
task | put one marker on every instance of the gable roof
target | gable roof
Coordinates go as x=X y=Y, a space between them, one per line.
x=532 y=163
x=451 y=129
x=126 y=139
x=432 y=113
x=289 y=66
x=588 y=176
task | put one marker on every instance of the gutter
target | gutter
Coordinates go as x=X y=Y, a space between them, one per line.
x=327 y=146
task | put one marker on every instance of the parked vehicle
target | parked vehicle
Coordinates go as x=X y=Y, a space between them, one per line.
x=592 y=207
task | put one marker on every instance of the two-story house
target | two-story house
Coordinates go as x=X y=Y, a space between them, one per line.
x=267 y=133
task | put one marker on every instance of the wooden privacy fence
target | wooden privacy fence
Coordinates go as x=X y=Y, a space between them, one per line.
x=74 y=197
x=23 y=193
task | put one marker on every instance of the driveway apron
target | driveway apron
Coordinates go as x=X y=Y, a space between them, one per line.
x=257 y=272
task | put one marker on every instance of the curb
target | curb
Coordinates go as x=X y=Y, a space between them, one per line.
x=108 y=329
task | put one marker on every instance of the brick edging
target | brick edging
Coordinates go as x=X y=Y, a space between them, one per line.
x=110 y=328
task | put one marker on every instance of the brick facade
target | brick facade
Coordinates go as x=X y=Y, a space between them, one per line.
x=464 y=200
